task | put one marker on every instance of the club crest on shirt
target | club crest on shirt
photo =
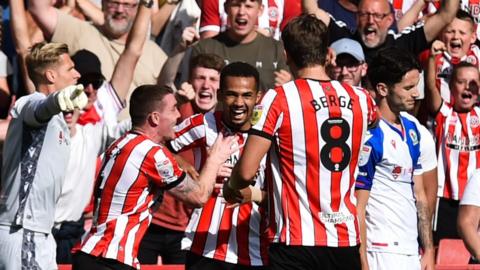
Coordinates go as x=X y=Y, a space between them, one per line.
x=471 y=59
x=257 y=113
x=364 y=155
x=474 y=121
x=413 y=136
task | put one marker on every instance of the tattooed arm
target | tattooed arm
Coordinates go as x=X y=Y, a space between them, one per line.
x=196 y=193
x=424 y=224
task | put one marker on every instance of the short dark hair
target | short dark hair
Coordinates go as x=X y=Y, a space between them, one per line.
x=457 y=67
x=305 y=39
x=465 y=16
x=239 y=69
x=144 y=100
x=390 y=65
x=207 y=60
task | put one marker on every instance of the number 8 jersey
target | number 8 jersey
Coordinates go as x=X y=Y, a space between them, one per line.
x=317 y=129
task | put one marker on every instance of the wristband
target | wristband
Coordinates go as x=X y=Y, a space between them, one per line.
x=146 y=3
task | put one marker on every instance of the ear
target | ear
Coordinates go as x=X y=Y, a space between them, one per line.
x=259 y=96
x=153 y=119
x=390 y=19
x=364 y=68
x=50 y=75
x=261 y=8
x=381 y=89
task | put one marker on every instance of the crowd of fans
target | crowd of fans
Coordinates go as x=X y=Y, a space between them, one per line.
x=238 y=134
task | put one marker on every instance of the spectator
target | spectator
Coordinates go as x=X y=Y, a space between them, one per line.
x=35 y=154
x=374 y=18
x=350 y=67
x=241 y=42
x=389 y=186
x=459 y=38
x=310 y=123
x=135 y=169
x=107 y=41
x=273 y=19
x=456 y=136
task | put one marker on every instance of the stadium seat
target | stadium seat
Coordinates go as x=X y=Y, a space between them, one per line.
x=452 y=252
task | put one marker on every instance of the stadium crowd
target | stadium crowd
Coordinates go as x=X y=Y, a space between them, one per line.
x=238 y=134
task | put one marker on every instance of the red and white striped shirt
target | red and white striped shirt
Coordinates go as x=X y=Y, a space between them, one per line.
x=133 y=172
x=318 y=128
x=401 y=7
x=214 y=17
x=458 y=148
x=234 y=235
x=444 y=68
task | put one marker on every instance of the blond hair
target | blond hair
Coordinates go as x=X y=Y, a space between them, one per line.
x=42 y=56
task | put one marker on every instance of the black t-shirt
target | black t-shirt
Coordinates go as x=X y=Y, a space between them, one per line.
x=411 y=39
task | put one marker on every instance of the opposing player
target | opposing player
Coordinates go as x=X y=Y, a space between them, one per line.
x=389 y=186
x=316 y=128
x=135 y=169
x=218 y=236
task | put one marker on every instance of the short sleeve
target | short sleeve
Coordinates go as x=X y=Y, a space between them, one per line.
x=267 y=116
x=168 y=173
x=428 y=156
x=471 y=195
x=190 y=133
x=367 y=161
x=210 y=17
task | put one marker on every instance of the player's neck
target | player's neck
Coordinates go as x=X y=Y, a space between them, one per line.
x=316 y=72
x=391 y=117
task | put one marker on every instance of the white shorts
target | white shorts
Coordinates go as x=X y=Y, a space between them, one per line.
x=39 y=250
x=392 y=261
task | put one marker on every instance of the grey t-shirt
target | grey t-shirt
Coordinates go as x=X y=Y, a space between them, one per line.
x=35 y=156
x=263 y=53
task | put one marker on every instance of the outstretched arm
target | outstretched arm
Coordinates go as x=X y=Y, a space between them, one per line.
x=432 y=93
x=45 y=15
x=442 y=18
x=21 y=38
x=125 y=67
x=311 y=7
x=170 y=68
x=411 y=16
x=91 y=11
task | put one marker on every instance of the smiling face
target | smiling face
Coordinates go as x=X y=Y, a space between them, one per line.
x=166 y=117
x=239 y=98
x=205 y=82
x=119 y=16
x=464 y=85
x=242 y=17
x=458 y=36
x=374 y=19
x=401 y=96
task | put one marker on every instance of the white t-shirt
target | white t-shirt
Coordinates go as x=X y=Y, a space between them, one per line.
x=87 y=144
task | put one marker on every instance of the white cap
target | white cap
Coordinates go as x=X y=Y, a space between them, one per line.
x=349 y=46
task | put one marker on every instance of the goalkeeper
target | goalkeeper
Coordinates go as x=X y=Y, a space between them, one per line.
x=35 y=156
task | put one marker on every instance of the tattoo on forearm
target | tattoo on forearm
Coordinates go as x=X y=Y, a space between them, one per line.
x=424 y=225
x=187 y=186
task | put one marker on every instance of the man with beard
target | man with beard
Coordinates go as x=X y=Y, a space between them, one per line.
x=374 y=18
x=107 y=41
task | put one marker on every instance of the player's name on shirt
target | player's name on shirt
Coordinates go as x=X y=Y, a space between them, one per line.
x=324 y=102
x=460 y=143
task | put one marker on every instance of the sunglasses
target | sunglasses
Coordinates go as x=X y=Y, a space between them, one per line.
x=95 y=82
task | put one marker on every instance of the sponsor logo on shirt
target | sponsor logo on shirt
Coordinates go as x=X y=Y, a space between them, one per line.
x=336 y=217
